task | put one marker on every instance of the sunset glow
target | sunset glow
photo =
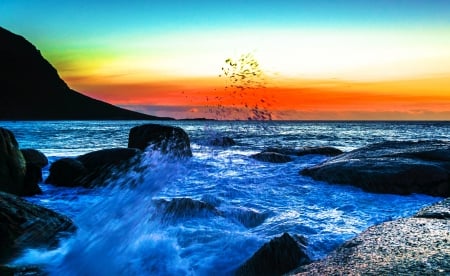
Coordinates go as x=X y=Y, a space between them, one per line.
x=358 y=60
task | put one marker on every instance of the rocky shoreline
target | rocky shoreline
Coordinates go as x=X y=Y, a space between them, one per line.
x=418 y=245
x=415 y=245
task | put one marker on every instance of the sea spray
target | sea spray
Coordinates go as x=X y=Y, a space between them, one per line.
x=120 y=234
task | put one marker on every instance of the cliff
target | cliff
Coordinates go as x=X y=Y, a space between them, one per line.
x=31 y=89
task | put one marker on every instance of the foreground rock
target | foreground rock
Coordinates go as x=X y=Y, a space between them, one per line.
x=91 y=169
x=26 y=225
x=410 y=246
x=167 y=139
x=276 y=257
x=13 y=167
x=391 y=167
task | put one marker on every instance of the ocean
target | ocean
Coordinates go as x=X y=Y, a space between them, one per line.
x=122 y=232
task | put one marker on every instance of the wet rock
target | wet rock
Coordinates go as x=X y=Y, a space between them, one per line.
x=29 y=270
x=26 y=225
x=35 y=157
x=327 y=151
x=185 y=207
x=169 y=140
x=223 y=142
x=279 y=256
x=12 y=164
x=272 y=157
x=108 y=157
x=391 y=167
x=408 y=246
x=440 y=210
x=247 y=217
x=66 y=172
x=91 y=169
x=35 y=161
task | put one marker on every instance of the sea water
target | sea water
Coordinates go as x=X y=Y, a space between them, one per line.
x=120 y=231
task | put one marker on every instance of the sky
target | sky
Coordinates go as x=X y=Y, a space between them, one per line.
x=321 y=60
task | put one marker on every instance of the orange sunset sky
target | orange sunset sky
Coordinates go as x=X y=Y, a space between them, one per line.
x=321 y=60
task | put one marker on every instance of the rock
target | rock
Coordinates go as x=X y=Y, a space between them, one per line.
x=31 y=89
x=440 y=210
x=279 y=256
x=223 y=142
x=25 y=225
x=35 y=157
x=91 y=169
x=12 y=164
x=408 y=246
x=35 y=161
x=66 y=172
x=185 y=207
x=168 y=139
x=391 y=167
x=327 y=151
x=29 y=270
x=247 y=217
x=271 y=157
x=108 y=157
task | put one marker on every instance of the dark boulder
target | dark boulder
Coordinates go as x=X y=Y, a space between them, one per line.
x=327 y=151
x=169 y=140
x=185 y=207
x=12 y=164
x=223 y=142
x=391 y=167
x=272 y=157
x=277 y=257
x=108 y=157
x=66 y=172
x=35 y=157
x=25 y=225
x=91 y=169
x=35 y=161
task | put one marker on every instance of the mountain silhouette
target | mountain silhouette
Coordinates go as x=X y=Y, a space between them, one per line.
x=31 y=89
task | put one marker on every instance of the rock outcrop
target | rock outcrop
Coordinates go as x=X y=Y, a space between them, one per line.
x=279 y=256
x=26 y=225
x=30 y=89
x=419 y=245
x=391 y=167
x=12 y=164
x=170 y=140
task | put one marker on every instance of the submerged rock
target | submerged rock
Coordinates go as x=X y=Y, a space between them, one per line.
x=408 y=246
x=12 y=164
x=25 y=225
x=279 y=256
x=185 y=207
x=327 y=151
x=391 y=167
x=223 y=142
x=167 y=139
x=271 y=157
